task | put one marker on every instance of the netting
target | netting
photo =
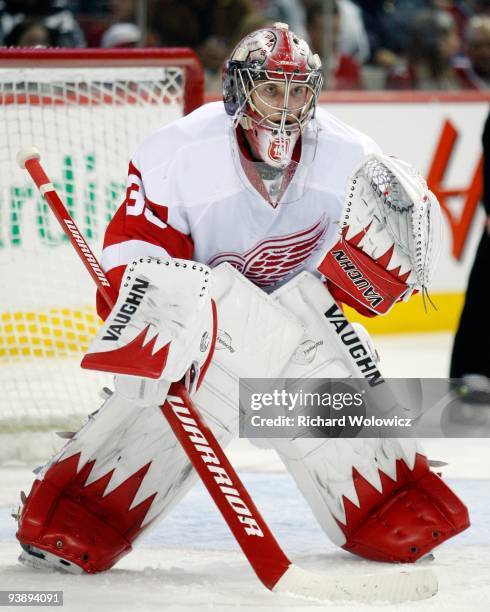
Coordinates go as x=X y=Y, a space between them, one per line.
x=87 y=123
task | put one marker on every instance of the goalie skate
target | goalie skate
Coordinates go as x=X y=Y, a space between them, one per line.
x=45 y=561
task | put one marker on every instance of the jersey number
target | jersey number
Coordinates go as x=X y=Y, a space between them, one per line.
x=135 y=202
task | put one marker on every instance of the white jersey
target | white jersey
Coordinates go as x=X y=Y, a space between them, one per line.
x=186 y=197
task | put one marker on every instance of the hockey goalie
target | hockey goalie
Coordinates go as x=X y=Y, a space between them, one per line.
x=243 y=224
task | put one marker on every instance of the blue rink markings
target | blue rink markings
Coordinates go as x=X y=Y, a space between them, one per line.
x=196 y=523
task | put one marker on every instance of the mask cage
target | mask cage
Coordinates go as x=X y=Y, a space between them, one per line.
x=249 y=80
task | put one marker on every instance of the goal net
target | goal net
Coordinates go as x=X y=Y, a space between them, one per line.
x=87 y=111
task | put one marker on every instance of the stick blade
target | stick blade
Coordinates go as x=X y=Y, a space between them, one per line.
x=383 y=588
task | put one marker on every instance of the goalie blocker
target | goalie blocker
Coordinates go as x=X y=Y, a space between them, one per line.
x=124 y=469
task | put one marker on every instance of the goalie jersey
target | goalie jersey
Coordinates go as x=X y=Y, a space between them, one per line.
x=191 y=195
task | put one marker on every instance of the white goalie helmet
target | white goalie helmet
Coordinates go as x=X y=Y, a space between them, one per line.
x=271 y=85
x=389 y=236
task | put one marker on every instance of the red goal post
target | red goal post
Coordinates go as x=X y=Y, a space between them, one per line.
x=87 y=111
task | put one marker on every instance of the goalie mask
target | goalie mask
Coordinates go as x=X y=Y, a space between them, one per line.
x=389 y=237
x=271 y=85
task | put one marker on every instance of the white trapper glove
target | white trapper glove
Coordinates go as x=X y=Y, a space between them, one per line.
x=389 y=236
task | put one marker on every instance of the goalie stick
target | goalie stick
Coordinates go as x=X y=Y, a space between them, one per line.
x=266 y=557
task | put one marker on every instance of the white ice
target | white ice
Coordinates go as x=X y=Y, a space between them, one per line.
x=191 y=562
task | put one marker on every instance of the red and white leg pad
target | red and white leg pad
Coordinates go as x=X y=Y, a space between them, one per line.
x=123 y=471
x=375 y=497
x=74 y=512
x=76 y=524
x=407 y=519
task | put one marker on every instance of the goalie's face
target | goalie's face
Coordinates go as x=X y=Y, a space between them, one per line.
x=278 y=110
x=281 y=105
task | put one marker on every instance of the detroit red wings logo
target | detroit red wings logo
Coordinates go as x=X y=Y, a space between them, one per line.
x=279 y=148
x=275 y=258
